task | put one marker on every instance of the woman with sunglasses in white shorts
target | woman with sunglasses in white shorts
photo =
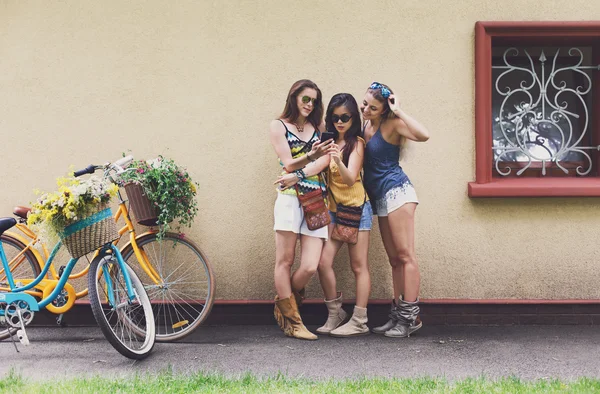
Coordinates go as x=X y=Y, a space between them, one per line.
x=296 y=140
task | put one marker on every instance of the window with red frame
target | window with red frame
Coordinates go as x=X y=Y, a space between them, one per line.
x=537 y=109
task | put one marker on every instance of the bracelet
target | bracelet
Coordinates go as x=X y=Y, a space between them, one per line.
x=309 y=158
x=300 y=174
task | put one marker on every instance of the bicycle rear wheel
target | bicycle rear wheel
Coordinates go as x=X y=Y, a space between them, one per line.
x=127 y=324
x=184 y=294
x=25 y=267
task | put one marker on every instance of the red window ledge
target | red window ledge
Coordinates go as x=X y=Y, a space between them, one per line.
x=537 y=187
x=487 y=185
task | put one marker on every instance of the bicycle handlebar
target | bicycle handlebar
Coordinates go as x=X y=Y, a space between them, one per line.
x=124 y=162
x=118 y=166
x=87 y=170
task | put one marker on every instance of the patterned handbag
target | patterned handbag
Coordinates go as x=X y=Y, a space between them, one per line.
x=347 y=221
x=315 y=209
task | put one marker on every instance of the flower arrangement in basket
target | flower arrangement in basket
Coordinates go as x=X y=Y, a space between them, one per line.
x=78 y=213
x=160 y=192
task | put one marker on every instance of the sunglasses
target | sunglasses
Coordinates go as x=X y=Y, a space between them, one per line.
x=344 y=118
x=306 y=99
x=385 y=92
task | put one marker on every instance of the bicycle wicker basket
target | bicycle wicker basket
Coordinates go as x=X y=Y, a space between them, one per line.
x=90 y=233
x=143 y=209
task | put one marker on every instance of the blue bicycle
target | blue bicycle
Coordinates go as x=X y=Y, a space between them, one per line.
x=117 y=296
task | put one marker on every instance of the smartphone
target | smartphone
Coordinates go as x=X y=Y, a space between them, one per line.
x=327 y=135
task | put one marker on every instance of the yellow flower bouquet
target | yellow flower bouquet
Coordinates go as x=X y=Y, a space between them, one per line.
x=73 y=211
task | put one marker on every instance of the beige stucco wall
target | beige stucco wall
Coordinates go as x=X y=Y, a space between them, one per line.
x=199 y=81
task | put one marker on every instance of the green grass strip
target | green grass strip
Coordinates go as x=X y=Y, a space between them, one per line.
x=168 y=382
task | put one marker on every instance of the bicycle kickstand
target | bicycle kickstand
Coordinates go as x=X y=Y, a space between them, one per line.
x=12 y=338
x=10 y=334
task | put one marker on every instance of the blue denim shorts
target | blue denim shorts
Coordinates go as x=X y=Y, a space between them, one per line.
x=366 y=220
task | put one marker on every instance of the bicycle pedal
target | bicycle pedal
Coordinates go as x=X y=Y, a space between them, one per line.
x=22 y=335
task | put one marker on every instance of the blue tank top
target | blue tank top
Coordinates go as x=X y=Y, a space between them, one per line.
x=382 y=168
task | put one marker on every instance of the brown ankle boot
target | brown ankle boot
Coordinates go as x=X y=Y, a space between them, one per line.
x=290 y=321
x=357 y=325
x=299 y=296
x=336 y=315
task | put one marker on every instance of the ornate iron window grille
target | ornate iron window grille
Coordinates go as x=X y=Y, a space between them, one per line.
x=527 y=131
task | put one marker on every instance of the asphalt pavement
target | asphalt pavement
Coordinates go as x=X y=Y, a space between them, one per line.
x=453 y=352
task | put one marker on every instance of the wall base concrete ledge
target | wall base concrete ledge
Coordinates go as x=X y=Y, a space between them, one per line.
x=433 y=312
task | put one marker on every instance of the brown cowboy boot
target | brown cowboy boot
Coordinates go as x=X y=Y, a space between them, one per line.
x=299 y=296
x=290 y=321
x=336 y=315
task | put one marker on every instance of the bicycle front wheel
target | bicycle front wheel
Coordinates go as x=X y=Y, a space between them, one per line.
x=127 y=324
x=183 y=292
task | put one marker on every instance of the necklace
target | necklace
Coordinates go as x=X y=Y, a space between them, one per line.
x=300 y=129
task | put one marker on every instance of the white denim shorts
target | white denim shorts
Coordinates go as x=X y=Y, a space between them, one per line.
x=289 y=216
x=394 y=199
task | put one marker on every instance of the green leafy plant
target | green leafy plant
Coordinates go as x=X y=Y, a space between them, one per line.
x=167 y=186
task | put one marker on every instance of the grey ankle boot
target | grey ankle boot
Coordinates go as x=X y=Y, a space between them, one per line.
x=390 y=323
x=406 y=315
x=357 y=325
x=336 y=315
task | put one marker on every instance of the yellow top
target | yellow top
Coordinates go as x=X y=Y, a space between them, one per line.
x=352 y=196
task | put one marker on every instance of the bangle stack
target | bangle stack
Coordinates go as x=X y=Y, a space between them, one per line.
x=300 y=174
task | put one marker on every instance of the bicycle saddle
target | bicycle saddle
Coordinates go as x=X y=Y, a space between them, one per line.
x=6 y=223
x=21 y=212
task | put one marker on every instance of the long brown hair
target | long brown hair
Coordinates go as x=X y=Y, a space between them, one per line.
x=291 y=113
x=376 y=93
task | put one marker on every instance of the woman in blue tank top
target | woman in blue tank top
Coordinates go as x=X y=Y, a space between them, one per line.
x=394 y=200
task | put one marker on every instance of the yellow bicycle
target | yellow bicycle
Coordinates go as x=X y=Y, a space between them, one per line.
x=174 y=271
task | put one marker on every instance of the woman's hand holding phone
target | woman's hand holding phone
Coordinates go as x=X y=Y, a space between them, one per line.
x=319 y=149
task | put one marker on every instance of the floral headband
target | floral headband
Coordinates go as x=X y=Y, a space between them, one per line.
x=385 y=92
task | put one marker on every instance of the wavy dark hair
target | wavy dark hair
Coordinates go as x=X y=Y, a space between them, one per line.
x=345 y=100
x=290 y=111
x=386 y=114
